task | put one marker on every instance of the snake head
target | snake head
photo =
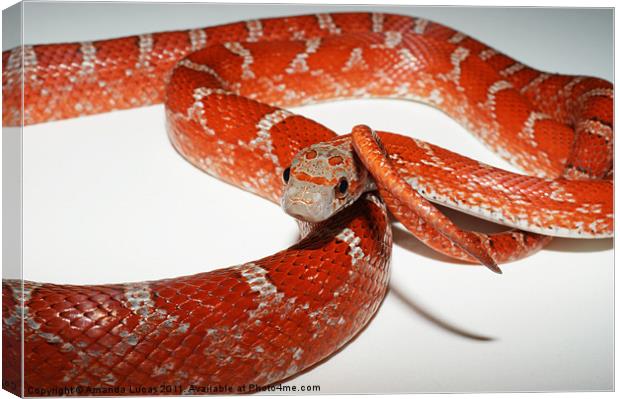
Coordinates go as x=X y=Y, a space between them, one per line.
x=322 y=179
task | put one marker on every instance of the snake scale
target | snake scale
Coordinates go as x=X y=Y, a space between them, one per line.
x=224 y=89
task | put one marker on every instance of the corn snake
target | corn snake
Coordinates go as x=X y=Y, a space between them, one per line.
x=239 y=50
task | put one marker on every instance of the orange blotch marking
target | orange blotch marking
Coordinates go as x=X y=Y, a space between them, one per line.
x=311 y=154
x=337 y=160
x=320 y=180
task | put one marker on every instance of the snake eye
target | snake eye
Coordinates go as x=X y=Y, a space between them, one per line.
x=286 y=175
x=343 y=186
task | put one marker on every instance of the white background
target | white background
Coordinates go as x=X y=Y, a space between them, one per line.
x=107 y=199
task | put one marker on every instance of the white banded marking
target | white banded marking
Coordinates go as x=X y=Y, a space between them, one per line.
x=300 y=62
x=238 y=49
x=535 y=82
x=326 y=22
x=197 y=112
x=256 y=277
x=456 y=58
x=492 y=91
x=22 y=56
x=89 y=55
x=392 y=39
x=375 y=200
x=355 y=59
x=559 y=194
x=202 y=68
x=589 y=208
x=145 y=45
x=568 y=88
x=420 y=25
x=527 y=133
x=377 y=21
x=433 y=161
x=407 y=60
x=197 y=39
x=138 y=298
x=356 y=253
x=263 y=139
x=457 y=38
x=255 y=30
x=595 y=127
x=15 y=59
x=598 y=92
x=22 y=293
x=30 y=59
x=512 y=69
x=487 y=54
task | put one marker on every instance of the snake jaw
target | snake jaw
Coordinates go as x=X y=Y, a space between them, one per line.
x=307 y=201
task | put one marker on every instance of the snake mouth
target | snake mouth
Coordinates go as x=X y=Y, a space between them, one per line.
x=302 y=201
x=307 y=211
x=308 y=202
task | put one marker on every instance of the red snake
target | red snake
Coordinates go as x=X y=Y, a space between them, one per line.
x=266 y=320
